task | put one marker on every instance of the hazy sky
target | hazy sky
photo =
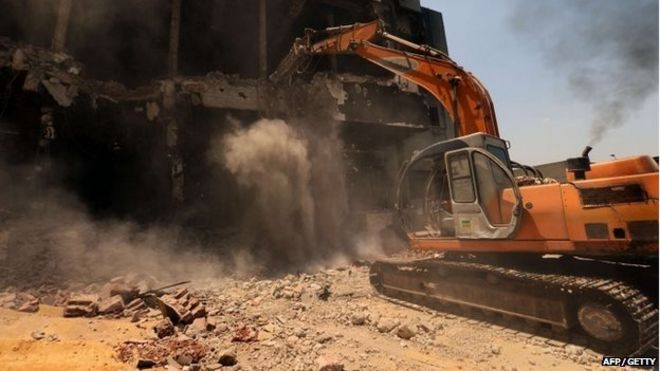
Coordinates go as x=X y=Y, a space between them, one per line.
x=536 y=108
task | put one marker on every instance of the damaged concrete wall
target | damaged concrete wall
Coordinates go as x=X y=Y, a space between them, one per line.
x=138 y=145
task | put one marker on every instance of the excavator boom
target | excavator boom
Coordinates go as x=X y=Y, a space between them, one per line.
x=461 y=94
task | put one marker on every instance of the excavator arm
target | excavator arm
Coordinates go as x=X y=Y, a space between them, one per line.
x=461 y=94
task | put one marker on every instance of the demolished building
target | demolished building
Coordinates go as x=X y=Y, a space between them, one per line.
x=129 y=93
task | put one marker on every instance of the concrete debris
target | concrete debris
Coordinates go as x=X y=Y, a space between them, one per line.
x=145 y=363
x=8 y=300
x=324 y=293
x=288 y=292
x=329 y=363
x=83 y=300
x=38 y=335
x=186 y=317
x=153 y=109
x=172 y=364
x=114 y=304
x=19 y=60
x=137 y=316
x=387 y=324
x=184 y=359
x=211 y=324
x=428 y=328
x=30 y=306
x=198 y=312
x=184 y=352
x=182 y=308
x=245 y=333
x=198 y=326
x=59 y=75
x=164 y=328
x=136 y=305
x=182 y=294
x=358 y=319
x=121 y=297
x=243 y=319
x=405 y=332
x=228 y=358
x=81 y=306
x=324 y=338
x=62 y=94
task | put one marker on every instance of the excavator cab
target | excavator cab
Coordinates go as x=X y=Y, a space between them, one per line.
x=461 y=188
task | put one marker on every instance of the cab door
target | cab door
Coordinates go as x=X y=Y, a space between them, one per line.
x=485 y=198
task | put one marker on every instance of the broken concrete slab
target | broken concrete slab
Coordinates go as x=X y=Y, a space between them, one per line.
x=164 y=329
x=114 y=304
x=80 y=310
x=29 y=306
x=58 y=91
x=82 y=300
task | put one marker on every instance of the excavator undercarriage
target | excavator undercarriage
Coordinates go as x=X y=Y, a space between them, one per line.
x=613 y=312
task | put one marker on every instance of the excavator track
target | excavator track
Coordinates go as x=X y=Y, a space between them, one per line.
x=617 y=317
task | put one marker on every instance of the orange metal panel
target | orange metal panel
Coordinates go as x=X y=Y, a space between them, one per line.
x=616 y=216
x=493 y=245
x=543 y=214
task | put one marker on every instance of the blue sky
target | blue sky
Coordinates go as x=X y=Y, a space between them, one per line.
x=536 y=109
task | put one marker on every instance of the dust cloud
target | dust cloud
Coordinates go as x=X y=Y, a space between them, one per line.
x=296 y=214
x=607 y=50
x=48 y=237
x=291 y=186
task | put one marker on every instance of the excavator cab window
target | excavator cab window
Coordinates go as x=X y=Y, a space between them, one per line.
x=461 y=178
x=495 y=190
x=485 y=198
x=500 y=153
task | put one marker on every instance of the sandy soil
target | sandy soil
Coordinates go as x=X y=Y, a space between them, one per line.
x=81 y=343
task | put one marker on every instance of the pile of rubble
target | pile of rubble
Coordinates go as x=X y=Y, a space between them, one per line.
x=122 y=296
x=19 y=301
x=56 y=72
x=60 y=76
x=328 y=321
x=174 y=352
x=183 y=308
x=208 y=330
x=181 y=336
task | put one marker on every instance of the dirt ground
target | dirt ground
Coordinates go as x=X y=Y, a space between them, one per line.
x=77 y=344
x=303 y=322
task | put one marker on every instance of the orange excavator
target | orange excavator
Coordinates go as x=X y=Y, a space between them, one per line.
x=576 y=251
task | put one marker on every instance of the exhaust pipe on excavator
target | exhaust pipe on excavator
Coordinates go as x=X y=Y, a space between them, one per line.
x=580 y=165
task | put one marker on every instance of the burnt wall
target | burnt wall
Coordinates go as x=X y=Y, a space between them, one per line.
x=117 y=161
x=127 y=40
